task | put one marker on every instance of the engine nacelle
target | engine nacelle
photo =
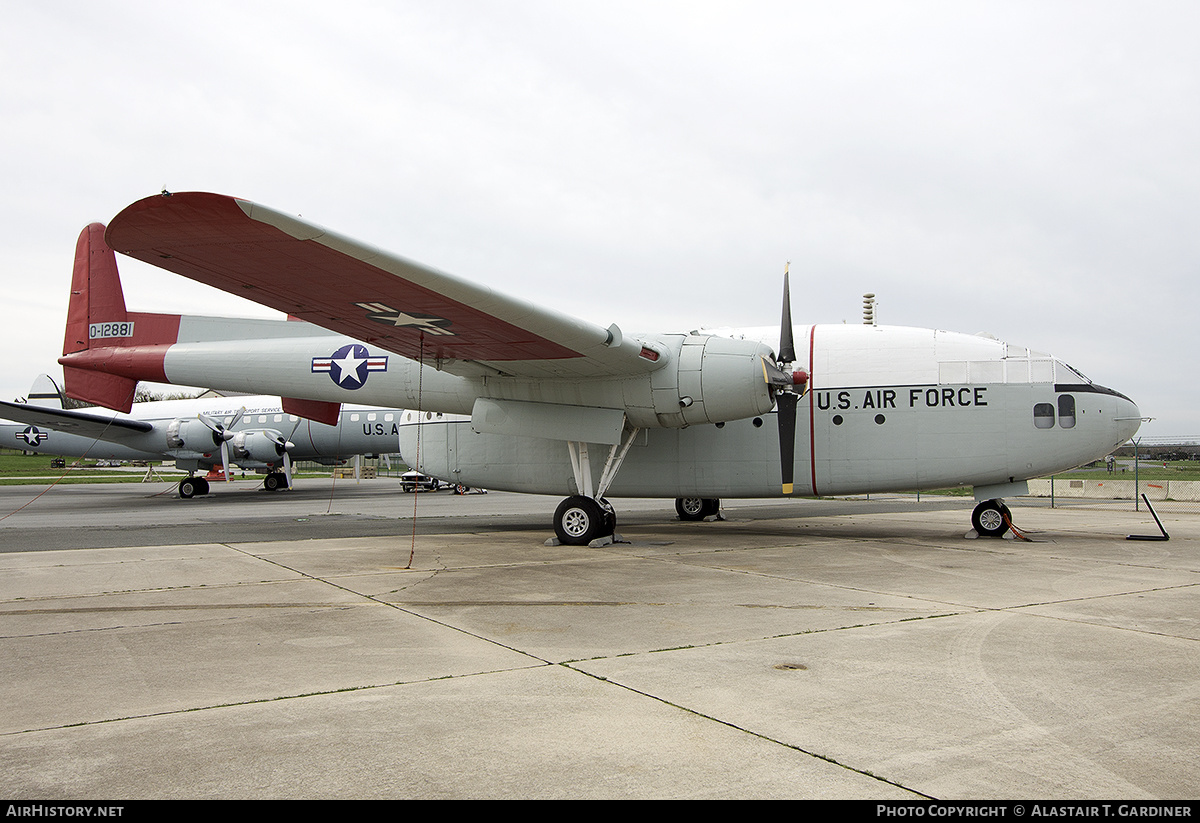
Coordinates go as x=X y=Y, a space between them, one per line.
x=190 y=434
x=713 y=379
x=260 y=445
x=701 y=378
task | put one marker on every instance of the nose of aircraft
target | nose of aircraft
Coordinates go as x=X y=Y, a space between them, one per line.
x=1128 y=418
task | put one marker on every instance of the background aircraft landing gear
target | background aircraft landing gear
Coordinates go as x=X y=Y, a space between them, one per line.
x=696 y=508
x=579 y=520
x=991 y=518
x=191 y=486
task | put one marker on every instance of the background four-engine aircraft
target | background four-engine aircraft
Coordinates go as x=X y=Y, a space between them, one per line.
x=558 y=405
x=248 y=431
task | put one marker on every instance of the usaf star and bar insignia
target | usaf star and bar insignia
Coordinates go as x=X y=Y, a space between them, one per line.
x=33 y=435
x=350 y=365
x=427 y=323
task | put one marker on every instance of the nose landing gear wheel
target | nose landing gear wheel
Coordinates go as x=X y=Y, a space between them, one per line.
x=991 y=518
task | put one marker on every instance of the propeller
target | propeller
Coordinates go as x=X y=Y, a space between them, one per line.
x=783 y=381
x=283 y=446
x=264 y=447
x=222 y=434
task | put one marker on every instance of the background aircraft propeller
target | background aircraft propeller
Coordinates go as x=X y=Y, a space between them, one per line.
x=283 y=445
x=222 y=434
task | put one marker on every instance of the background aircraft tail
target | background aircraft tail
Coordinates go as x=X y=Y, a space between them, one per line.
x=45 y=392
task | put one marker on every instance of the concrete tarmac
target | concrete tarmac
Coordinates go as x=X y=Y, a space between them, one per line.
x=259 y=645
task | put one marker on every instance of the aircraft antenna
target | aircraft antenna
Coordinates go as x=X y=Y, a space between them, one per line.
x=869 y=309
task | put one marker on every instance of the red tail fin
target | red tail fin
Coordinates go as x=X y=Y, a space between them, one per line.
x=95 y=289
x=106 y=348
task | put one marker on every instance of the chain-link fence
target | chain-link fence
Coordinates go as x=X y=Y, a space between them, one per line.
x=1164 y=469
x=366 y=467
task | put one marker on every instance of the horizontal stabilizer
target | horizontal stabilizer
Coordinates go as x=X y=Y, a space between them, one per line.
x=316 y=410
x=108 y=390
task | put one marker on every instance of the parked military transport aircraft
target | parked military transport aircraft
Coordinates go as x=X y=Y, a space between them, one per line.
x=249 y=431
x=696 y=416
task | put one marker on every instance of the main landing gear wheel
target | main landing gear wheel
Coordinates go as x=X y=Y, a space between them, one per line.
x=189 y=487
x=275 y=481
x=696 y=508
x=579 y=520
x=991 y=518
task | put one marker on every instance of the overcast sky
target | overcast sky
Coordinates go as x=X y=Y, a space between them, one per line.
x=1031 y=170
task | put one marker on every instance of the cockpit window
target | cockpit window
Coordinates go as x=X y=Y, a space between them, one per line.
x=1043 y=415
x=1073 y=375
x=1066 y=411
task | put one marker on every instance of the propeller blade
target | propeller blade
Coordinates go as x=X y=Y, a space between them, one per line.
x=787 y=346
x=225 y=458
x=287 y=446
x=786 y=411
x=786 y=397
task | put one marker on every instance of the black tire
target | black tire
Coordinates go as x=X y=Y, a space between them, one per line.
x=188 y=488
x=201 y=485
x=990 y=518
x=697 y=508
x=691 y=508
x=272 y=482
x=578 y=520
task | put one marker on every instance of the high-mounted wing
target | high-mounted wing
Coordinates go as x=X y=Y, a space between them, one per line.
x=87 y=424
x=365 y=293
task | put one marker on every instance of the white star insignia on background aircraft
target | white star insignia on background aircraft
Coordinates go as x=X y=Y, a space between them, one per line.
x=531 y=393
x=249 y=431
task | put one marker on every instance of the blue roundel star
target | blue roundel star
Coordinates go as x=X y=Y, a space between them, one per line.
x=33 y=435
x=349 y=366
